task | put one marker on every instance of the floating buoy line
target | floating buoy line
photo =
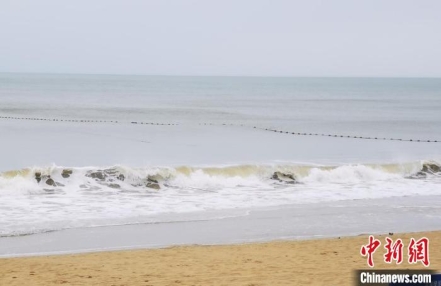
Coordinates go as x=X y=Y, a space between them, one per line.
x=81 y=120
x=223 y=124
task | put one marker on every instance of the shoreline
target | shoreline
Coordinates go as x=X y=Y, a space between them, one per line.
x=293 y=222
x=283 y=262
x=237 y=243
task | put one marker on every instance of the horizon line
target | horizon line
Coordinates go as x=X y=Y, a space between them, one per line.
x=213 y=75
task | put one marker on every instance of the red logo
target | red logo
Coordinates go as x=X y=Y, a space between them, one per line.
x=394 y=251
x=369 y=249
x=418 y=251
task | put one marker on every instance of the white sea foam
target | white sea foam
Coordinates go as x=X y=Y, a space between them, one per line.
x=81 y=201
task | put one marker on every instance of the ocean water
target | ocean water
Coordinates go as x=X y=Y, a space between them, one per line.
x=211 y=144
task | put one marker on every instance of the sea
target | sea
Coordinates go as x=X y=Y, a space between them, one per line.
x=87 y=151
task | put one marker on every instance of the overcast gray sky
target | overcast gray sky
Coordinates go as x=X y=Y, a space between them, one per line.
x=222 y=37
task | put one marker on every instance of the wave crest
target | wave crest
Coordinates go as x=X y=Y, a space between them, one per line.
x=121 y=177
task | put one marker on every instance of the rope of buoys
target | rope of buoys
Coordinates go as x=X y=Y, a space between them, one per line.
x=224 y=124
x=82 y=120
x=347 y=136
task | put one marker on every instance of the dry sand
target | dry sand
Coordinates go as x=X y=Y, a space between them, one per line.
x=312 y=262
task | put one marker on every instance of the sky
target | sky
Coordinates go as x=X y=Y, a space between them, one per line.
x=377 y=38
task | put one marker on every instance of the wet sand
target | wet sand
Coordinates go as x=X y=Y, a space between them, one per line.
x=291 y=222
x=308 y=262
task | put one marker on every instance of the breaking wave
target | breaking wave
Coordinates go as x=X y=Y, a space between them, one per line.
x=31 y=180
x=42 y=199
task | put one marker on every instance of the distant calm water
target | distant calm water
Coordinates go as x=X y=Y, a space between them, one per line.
x=402 y=107
x=212 y=159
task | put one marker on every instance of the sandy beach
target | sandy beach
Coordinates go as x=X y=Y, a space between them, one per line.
x=308 y=262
